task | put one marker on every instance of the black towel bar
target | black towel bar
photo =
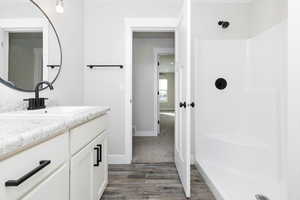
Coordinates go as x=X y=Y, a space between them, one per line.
x=103 y=66
x=53 y=66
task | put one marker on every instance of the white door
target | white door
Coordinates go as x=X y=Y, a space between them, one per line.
x=183 y=98
x=158 y=97
x=82 y=166
x=100 y=177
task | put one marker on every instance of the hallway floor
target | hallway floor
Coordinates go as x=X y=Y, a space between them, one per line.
x=156 y=149
x=152 y=182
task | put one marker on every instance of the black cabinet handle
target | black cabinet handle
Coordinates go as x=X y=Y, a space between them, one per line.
x=15 y=183
x=182 y=104
x=98 y=155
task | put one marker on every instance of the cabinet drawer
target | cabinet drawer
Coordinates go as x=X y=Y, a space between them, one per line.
x=28 y=163
x=56 y=187
x=84 y=134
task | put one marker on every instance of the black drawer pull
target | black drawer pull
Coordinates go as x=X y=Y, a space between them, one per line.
x=98 y=155
x=15 y=183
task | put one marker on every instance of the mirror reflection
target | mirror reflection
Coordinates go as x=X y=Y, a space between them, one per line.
x=29 y=48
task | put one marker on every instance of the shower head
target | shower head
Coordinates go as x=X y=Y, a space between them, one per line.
x=261 y=197
x=224 y=24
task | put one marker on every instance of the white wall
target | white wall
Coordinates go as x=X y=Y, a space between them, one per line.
x=239 y=130
x=293 y=178
x=207 y=15
x=143 y=83
x=104 y=44
x=3 y=71
x=265 y=13
x=69 y=87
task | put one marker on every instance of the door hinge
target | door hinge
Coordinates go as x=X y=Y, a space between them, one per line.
x=158 y=64
x=158 y=93
x=158 y=122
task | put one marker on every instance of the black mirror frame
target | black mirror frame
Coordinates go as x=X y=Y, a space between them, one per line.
x=60 y=48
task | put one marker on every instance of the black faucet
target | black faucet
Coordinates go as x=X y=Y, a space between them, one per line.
x=37 y=102
x=37 y=88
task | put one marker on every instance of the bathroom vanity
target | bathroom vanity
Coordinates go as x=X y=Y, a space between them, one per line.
x=55 y=153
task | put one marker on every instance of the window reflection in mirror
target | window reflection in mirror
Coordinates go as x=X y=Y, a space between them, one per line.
x=25 y=53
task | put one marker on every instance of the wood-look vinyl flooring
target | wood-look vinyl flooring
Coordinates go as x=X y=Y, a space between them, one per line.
x=152 y=182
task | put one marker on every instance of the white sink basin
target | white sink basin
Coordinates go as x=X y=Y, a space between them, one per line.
x=48 y=112
x=58 y=111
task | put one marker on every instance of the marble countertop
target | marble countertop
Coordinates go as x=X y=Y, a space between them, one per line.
x=24 y=129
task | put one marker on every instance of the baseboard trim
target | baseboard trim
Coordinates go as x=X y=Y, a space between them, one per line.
x=208 y=181
x=118 y=159
x=145 y=134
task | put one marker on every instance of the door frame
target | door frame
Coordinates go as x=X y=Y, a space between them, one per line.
x=138 y=25
x=158 y=52
x=28 y=25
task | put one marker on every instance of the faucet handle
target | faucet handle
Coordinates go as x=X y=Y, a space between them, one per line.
x=36 y=104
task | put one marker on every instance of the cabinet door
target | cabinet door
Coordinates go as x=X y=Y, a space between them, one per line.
x=54 y=187
x=82 y=166
x=100 y=177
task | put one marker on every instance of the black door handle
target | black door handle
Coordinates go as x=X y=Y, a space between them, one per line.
x=15 y=183
x=182 y=104
x=97 y=160
x=100 y=152
x=192 y=105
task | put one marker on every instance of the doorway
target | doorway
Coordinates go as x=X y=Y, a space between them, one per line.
x=153 y=97
x=182 y=147
x=166 y=102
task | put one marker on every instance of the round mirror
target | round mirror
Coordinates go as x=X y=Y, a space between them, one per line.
x=30 y=50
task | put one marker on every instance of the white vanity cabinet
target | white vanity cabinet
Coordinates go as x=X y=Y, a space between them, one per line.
x=36 y=171
x=70 y=166
x=82 y=174
x=100 y=171
x=89 y=169
x=89 y=172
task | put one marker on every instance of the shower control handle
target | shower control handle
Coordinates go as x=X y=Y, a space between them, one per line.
x=182 y=105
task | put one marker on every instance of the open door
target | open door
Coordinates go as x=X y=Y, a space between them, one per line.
x=183 y=98
x=158 y=96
